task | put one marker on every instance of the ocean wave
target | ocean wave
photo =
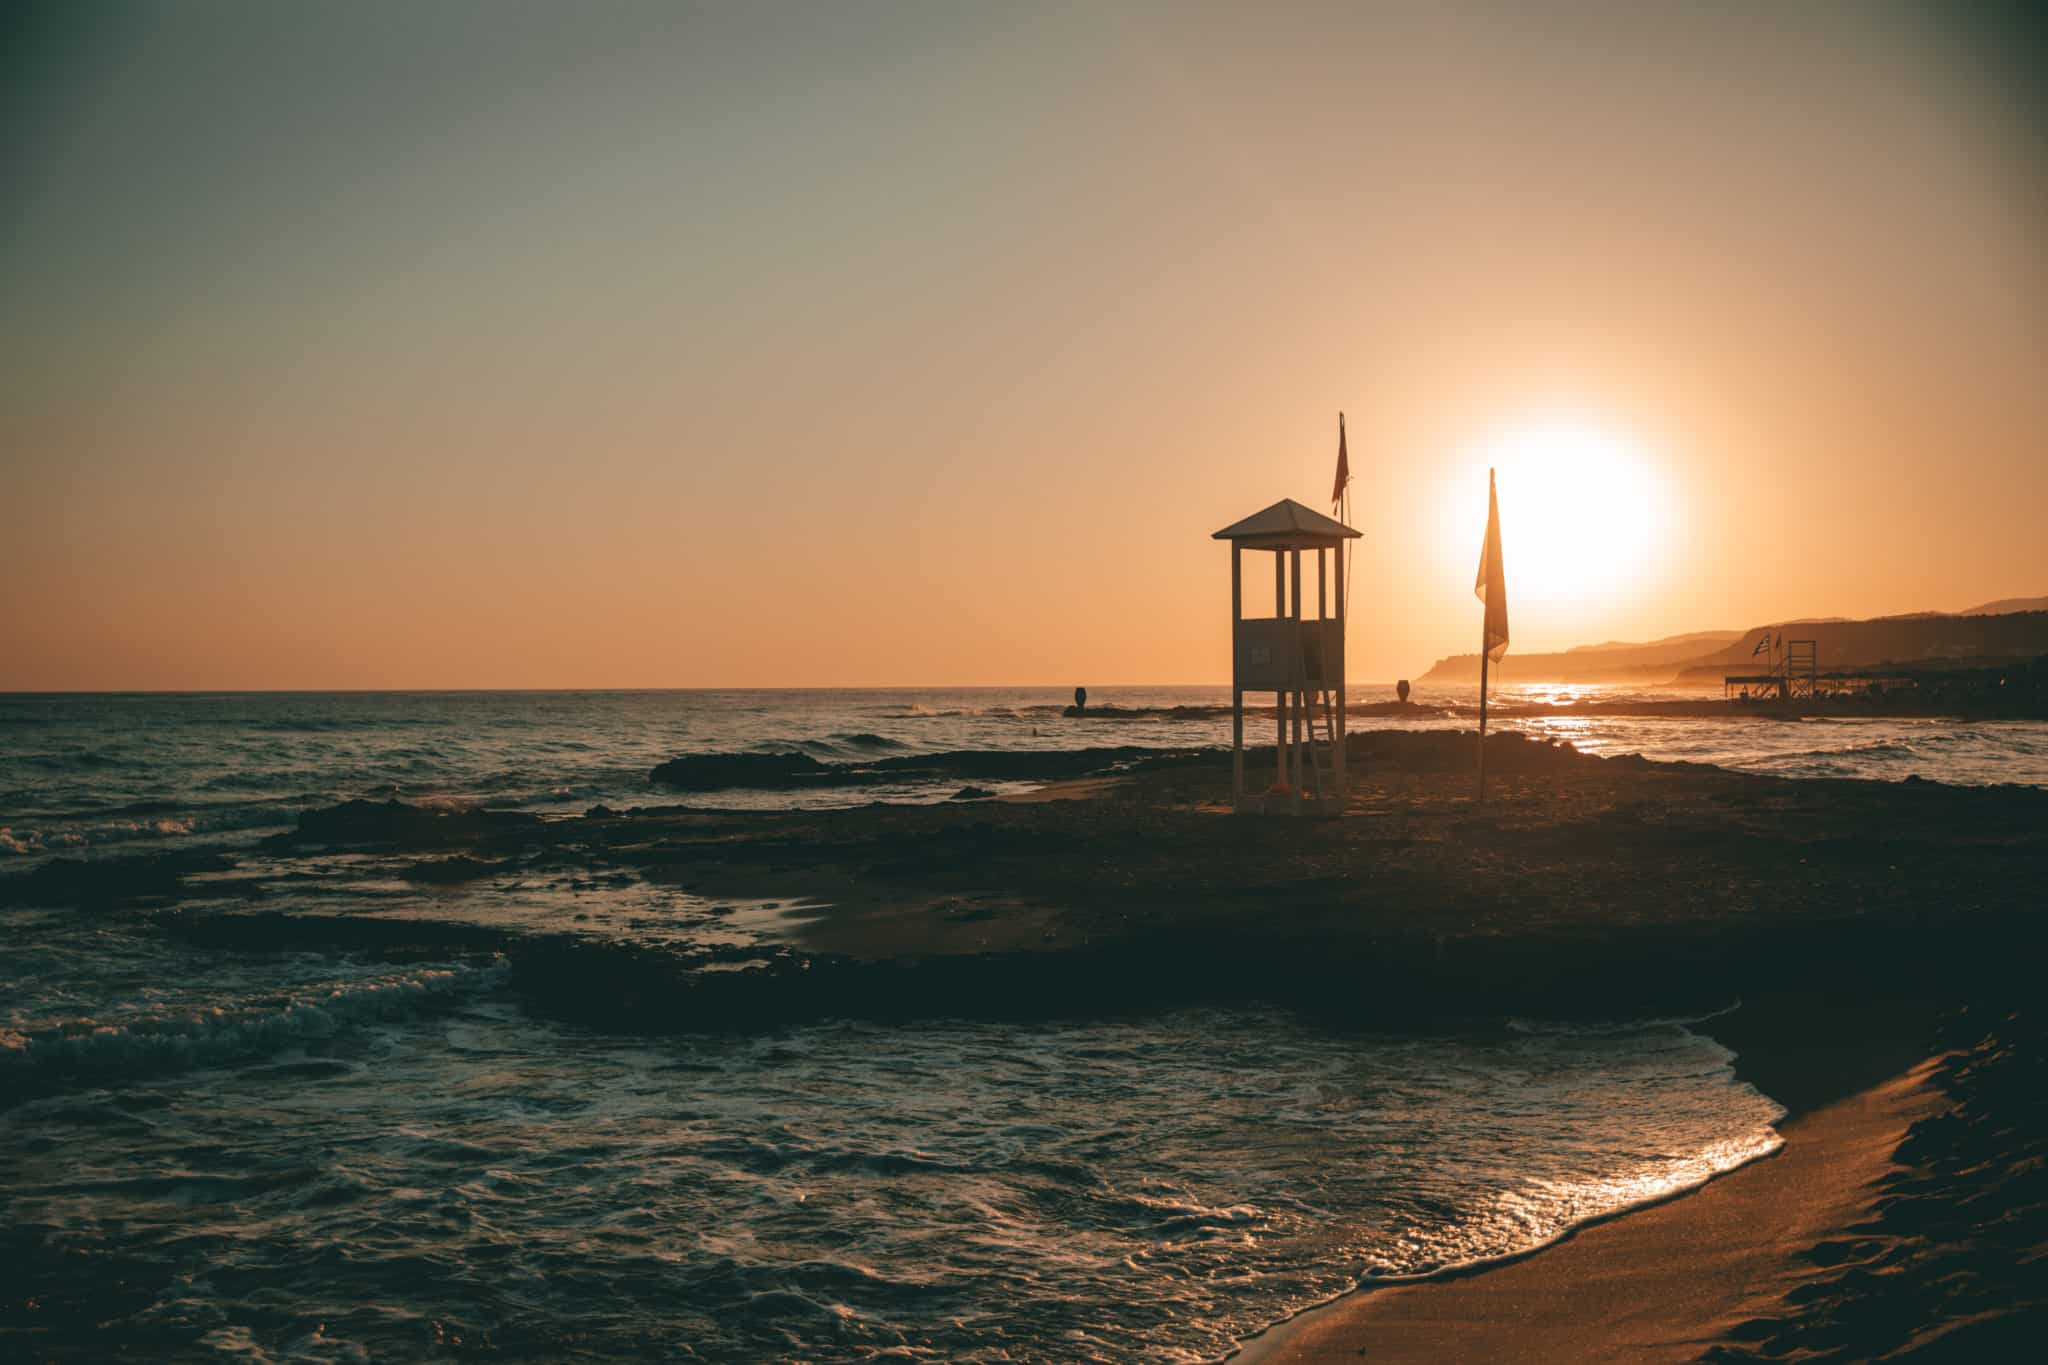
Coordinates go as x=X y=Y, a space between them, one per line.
x=1507 y=1227
x=1169 y=1215
x=1870 y=746
x=54 y=836
x=431 y=821
x=147 y=1042
x=793 y=768
x=862 y=739
x=842 y=747
x=919 y=711
x=30 y=840
x=27 y=841
x=1594 y=1028
x=69 y=762
x=447 y=803
x=384 y=719
x=1860 y=759
x=152 y=806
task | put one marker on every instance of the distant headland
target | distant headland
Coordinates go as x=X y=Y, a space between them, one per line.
x=2008 y=630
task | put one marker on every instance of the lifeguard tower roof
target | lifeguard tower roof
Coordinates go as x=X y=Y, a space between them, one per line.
x=1286 y=525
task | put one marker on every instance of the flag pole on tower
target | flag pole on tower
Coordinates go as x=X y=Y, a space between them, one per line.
x=1340 y=503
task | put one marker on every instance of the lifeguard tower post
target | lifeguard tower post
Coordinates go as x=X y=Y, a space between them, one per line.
x=1299 y=659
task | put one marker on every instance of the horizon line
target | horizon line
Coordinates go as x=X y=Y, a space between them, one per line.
x=477 y=691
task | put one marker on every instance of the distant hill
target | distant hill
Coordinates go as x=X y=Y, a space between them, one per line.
x=2006 y=606
x=1887 y=640
x=1615 y=661
x=1704 y=639
x=1990 y=632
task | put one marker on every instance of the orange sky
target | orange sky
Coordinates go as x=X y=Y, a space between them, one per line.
x=385 y=346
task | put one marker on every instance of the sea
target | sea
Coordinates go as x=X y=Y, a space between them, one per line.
x=300 y=1154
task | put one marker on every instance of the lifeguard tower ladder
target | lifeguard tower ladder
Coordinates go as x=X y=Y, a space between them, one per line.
x=1299 y=659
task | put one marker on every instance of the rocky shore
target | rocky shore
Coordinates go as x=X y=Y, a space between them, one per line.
x=2020 y=693
x=1581 y=886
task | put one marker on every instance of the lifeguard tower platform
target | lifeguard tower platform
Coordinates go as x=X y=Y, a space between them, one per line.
x=1298 y=658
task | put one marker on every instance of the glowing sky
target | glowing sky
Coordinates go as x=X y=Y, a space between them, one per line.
x=460 y=345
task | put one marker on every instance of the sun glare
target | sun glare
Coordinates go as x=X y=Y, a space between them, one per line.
x=1584 y=518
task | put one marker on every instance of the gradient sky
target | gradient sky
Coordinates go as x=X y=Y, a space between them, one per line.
x=494 y=345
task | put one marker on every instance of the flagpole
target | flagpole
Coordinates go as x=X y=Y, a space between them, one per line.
x=1482 y=710
x=1344 y=560
x=1492 y=570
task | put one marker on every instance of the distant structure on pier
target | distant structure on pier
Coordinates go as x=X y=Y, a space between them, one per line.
x=1794 y=672
x=1296 y=657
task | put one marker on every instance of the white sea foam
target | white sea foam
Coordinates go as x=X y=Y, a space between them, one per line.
x=69 y=834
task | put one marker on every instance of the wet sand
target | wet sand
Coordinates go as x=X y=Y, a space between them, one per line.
x=1906 y=1221
x=1659 y=1284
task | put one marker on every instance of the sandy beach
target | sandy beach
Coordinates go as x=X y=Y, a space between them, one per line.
x=1659 y=1284
x=1667 y=1281
x=1899 y=1221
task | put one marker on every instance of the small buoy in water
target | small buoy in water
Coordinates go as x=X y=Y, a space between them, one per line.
x=1080 y=699
x=1401 y=690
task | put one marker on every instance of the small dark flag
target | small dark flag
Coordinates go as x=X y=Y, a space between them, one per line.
x=1343 y=466
x=1761 y=646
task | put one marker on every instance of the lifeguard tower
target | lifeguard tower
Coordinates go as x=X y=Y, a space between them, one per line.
x=1298 y=658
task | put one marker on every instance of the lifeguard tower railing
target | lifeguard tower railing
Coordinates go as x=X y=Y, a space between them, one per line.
x=1282 y=654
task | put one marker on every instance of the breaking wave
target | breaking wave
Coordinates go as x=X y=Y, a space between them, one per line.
x=151 y=1041
x=919 y=711
x=141 y=821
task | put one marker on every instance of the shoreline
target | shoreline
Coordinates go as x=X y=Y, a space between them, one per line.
x=1858 y=706
x=1668 y=1278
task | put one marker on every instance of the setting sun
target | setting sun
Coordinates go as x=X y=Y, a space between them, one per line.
x=1585 y=516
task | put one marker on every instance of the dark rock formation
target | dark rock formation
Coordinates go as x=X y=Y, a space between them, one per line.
x=711 y=772
x=397 y=824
